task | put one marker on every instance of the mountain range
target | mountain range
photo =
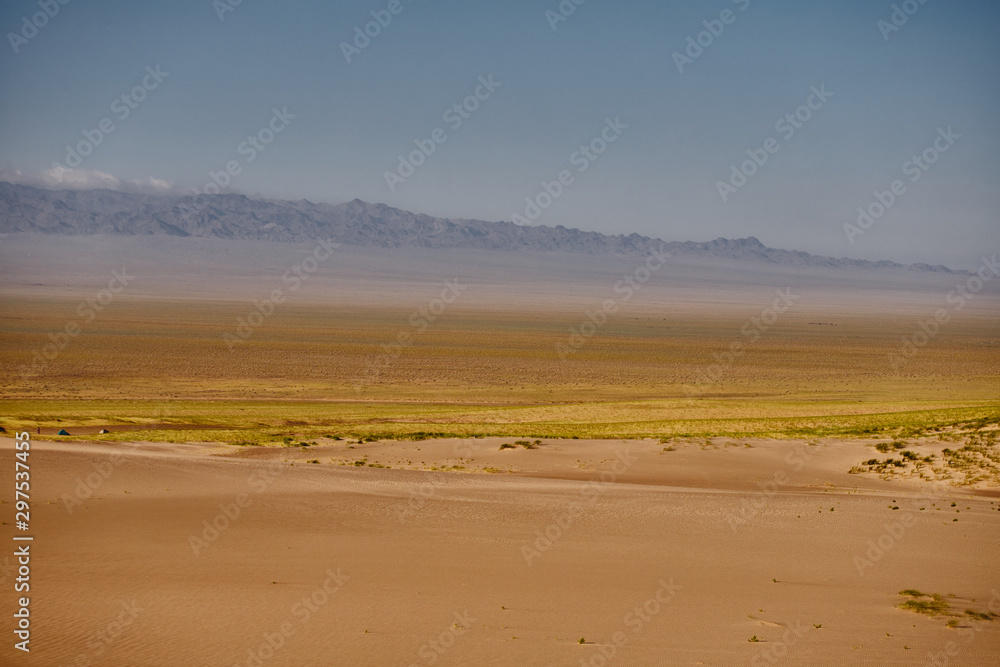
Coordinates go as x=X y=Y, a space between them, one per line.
x=358 y=223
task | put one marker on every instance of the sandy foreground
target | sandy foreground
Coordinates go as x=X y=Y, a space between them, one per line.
x=651 y=557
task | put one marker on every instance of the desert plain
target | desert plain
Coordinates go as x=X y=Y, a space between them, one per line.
x=428 y=457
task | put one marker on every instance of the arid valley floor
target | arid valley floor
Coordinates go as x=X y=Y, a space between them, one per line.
x=312 y=495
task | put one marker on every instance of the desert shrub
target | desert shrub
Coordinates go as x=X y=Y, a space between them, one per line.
x=922 y=603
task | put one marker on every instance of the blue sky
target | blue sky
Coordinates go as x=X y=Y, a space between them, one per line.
x=557 y=88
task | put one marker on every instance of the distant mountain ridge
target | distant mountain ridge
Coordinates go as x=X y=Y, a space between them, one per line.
x=232 y=216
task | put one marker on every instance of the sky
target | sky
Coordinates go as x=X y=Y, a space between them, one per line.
x=678 y=120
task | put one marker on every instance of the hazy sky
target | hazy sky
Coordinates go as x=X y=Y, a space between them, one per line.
x=559 y=83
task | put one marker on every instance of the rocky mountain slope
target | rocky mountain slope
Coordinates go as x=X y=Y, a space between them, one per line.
x=358 y=223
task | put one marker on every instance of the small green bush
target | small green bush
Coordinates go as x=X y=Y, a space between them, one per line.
x=921 y=603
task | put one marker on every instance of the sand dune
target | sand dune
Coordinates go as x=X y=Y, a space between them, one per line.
x=650 y=557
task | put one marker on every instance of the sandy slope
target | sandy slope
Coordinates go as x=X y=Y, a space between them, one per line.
x=408 y=567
